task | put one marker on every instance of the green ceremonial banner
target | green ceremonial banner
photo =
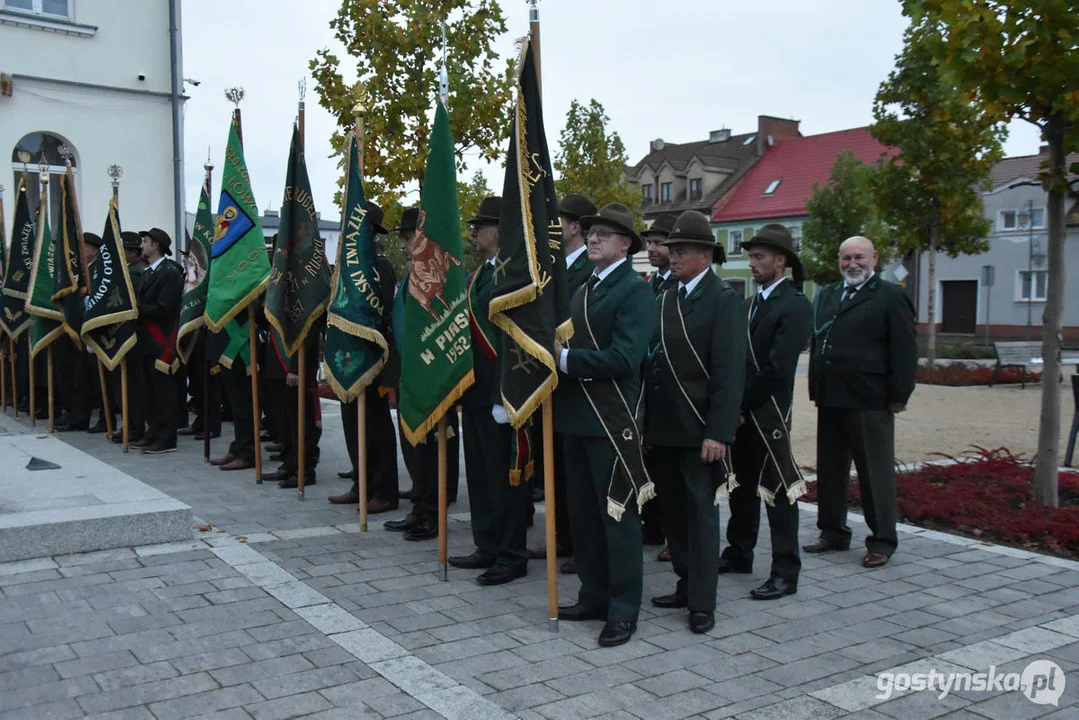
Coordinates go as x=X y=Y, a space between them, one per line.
x=196 y=267
x=20 y=261
x=355 y=348
x=436 y=351
x=68 y=283
x=529 y=300
x=47 y=323
x=108 y=325
x=239 y=268
x=299 y=285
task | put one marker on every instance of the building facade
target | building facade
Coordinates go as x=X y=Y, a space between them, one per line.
x=94 y=80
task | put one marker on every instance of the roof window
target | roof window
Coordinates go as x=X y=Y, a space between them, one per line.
x=772 y=186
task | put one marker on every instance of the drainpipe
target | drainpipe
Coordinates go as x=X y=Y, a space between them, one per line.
x=177 y=120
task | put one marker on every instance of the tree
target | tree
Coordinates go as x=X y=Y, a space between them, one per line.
x=1018 y=59
x=838 y=210
x=396 y=46
x=591 y=162
x=930 y=191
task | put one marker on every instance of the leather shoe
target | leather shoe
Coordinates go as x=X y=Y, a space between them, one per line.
x=773 y=589
x=617 y=632
x=350 y=498
x=424 y=530
x=145 y=441
x=378 y=505
x=74 y=426
x=475 y=561
x=345 y=475
x=674 y=600
x=405 y=494
x=158 y=449
x=293 y=482
x=701 y=621
x=568 y=566
x=664 y=554
x=726 y=566
x=875 y=560
x=406 y=523
x=274 y=447
x=98 y=428
x=132 y=438
x=502 y=574
x=238 y=464
x=825 y=546
x=223 y=460
x=577 y=611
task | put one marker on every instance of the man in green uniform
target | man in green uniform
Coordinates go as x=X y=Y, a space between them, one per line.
x=693 y=389
x=861 y=373
x=613 y=315
x=780 y=322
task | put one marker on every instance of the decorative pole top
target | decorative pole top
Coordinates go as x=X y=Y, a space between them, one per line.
x=533 y=11
x=359 y=107
x=66 y=152
x=43 y=169
x=208 y=166
x=234 y=95
x=443 y=75
x=302 y=87
x=115 y=172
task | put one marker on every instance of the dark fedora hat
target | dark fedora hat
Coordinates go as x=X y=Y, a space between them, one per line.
x=576 y=206
x=694 y=228
x=161 y=238
x=91 y=239
x=489 y=212
x=662 y=225
x=132 y=240
x=778 y=238
x=410 y=220
x=618 y=216
x=375 y=217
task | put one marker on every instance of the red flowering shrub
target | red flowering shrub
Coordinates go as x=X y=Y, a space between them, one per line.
x=961 y=374
x=987 y=494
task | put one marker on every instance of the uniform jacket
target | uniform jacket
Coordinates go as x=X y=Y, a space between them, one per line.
x=779 y=331
x=578 y=272
x=160 y=294
x=865 y=355
x=660 y=284
x=716 y=326
x=486 y=390
x=622 y=314
x=387 y=291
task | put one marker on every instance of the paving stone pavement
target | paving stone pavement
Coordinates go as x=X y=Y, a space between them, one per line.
x=284 y=609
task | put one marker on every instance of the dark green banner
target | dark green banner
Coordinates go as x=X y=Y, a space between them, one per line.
x=196 y=272
x=17 y=272
x=109 y=322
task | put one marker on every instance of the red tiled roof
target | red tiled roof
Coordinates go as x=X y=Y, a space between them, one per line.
x=798 y=163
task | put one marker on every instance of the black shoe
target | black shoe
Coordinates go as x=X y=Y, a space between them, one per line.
x=701 y=621
x=98 y=428
x=67 y=428
x=424 y=530
x=405 y=494
x=118 y=438
x=617 y=632
x=264 y=437
x=406 y=523
x=773 y=589
x=475 y=561
x=187 y=431
x=577 y=611
x=274 y=448
x=159 y=449
x=726 y=566
x=293 y=482
x=347 y=475
x=677 y=599
x=502 y=574
x=276 y=476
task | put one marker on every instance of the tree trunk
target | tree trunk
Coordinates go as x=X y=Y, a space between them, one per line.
x=931 y=305
x=1046 y=464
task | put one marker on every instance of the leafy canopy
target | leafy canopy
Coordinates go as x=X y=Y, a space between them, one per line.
x=590 y=161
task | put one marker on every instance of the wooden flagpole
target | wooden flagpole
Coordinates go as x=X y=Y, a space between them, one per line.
x=359 y=110
x=48 y=365
x=123 y=400
x=301 y=386
x=14 y=377
x=33 y=406
x=115 y=172
x=204 y=339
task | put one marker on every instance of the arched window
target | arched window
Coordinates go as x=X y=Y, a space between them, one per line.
x=34 y=151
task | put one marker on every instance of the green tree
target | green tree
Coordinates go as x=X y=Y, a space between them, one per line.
x=1018 y=58
x=469 y=196
x=929 y=192
x=592 y=162
x=838 y=210
x=395 y=47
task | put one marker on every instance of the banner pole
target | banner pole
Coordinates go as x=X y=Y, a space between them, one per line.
x=14 y=377
x=443 y=471
x=254 y=368
x=205 y=404
x=361 y=455
x=48 y=365
x=549 y=502
x=106 y=410
x=3 y=382
x=301 y=389
x=123 y=400
x=33 y=405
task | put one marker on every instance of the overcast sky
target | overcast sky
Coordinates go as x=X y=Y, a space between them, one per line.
x=674 y=69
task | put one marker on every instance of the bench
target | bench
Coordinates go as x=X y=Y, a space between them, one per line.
x=1020 y=355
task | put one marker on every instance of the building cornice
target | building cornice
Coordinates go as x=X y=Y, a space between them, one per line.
x=92 y=86
x=45 y=24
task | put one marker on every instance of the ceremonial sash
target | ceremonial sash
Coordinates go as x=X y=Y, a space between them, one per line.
x=166 y=361
x=629 y=478
x=484 y=333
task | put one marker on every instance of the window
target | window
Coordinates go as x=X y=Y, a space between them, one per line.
x=1032 y=285
x=1021 y=219
x=646 y=194
x=772 y=186
x=1008 y=220
x=734 y=246
x=37 y=148
x=666 y=192
x=796 y=235
x=695 y=189
x=56 y=8
x=749 y=139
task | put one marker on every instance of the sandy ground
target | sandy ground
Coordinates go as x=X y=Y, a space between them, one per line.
x=950 y=420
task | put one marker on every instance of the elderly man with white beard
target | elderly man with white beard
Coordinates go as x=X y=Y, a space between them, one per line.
x=861 y=373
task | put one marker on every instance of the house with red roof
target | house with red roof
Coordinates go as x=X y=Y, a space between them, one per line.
x=776 y=188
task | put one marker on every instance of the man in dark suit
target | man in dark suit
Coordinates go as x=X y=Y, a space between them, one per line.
x=613 y=315
x=578 y=266
x=136 y=270
x=159 y=299
x=780 y=322
x=861 y=373
x=693 y=388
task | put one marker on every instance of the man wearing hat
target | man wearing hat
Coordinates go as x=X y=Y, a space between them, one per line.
x=421 y=460
x=159 y=299
x=136 y=267
x=659 y=255
x=578 y=266
x=861 y=373
x=613 y=315
x=498 y=506
x=693 y=387
x=780 y=322
x=382 y=491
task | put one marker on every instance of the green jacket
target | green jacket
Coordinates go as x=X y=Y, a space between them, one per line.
x=621 y=313
x=486 y=390
x=578 y=272
x=779 y=331
x=864 y=357
x=715 y=323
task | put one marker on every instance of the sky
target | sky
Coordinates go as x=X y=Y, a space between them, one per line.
x=674 y=70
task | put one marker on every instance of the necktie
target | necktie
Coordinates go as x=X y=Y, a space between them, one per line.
x=682 y=292
x=848 y=294
x=593 y=281
x=757 y=300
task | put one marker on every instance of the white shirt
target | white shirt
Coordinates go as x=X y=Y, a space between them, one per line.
x=155 y=263
x=572 y=257
x=765 y=292
x=692 y=284
x=562 y=359
x=664 y=275
x=856 y=287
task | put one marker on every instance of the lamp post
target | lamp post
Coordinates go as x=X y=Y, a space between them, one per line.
x=1027 y=216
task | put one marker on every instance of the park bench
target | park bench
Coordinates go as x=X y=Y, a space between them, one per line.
x=1021 y=354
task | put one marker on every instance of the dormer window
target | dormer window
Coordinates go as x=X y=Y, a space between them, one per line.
x=696 y=189
x=770 y=190
x=666 y=192
x=646 y=194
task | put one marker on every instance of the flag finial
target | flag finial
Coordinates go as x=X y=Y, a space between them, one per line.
x=234 y=95
x=115 y=172
x=444 y=75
